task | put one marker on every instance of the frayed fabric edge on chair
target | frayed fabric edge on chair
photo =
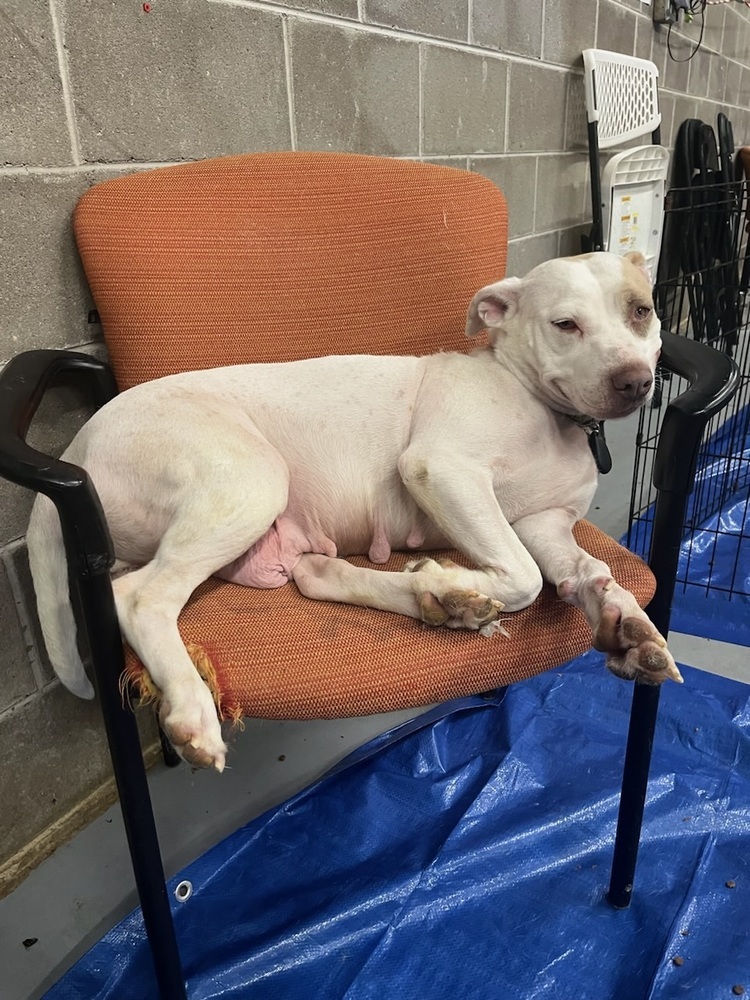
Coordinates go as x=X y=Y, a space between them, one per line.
x=135 y=678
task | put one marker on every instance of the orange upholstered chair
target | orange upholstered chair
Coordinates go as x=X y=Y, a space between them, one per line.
x=274 y=257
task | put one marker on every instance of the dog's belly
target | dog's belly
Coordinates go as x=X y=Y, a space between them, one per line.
x=270 y=561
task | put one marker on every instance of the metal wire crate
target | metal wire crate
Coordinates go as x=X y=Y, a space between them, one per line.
x=702 y=292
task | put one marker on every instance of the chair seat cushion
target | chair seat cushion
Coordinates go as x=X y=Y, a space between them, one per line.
x=275 y=654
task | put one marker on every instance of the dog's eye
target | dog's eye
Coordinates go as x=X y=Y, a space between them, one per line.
x=567 y=325
x=642 y=312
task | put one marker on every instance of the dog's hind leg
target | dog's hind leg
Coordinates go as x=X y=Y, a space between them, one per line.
x=461 y=502
x=439 y=593
x=212 y=525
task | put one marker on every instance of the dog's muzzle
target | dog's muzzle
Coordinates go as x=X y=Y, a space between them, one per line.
x=633 y=384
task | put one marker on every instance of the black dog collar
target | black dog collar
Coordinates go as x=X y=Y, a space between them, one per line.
x=597 y=442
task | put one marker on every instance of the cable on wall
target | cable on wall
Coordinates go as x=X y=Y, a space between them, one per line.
x=692 y=8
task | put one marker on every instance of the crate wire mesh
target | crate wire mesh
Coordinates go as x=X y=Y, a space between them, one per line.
x=704 y=294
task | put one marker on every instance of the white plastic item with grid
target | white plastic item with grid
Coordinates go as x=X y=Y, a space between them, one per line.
x=633 y=190
x=622 y=95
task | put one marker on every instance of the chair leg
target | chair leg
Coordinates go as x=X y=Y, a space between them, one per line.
x=132 y=785
x=633 y=796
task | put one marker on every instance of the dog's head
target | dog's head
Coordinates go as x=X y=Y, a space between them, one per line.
x=579 y=331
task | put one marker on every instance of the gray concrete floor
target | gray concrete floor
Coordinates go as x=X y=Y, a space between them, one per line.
x=71 y=899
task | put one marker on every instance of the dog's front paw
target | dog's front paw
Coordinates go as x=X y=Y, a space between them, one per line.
x=637 y=651
x=193 y=728
x=446 y=603
x=622 y=629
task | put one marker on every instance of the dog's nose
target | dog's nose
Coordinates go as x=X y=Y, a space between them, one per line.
x=633 y=382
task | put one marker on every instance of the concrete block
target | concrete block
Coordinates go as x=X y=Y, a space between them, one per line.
x=717 y=73
x=44 y=301
x=576 y=132
x=189 y=79
x=516 y=178
x=19 y=558
x=616 y=28
x=568 y=29
x=732 y=83
x=699 y=72
x=570 y=240
x=463 y=101
x=644 y=36
x=666 y=106
x=339 y=8
x=355 y=91
x=713 y=27
x=740 y=119
x=526 y=253
x=55 y=761
x=436 y=18
x=659 y=52
x=456 y=162
x=16 y=677
x=743 y=99
x=60 y=415
x=676 y=73
x=560 y=188
x=54 y=754
x=33 y=125
x=735 y=38
x=536 y=108
x=684 y=108
x=510 y=27
x=15 y=504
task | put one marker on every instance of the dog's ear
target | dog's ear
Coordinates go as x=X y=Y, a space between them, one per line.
x=492 y=306
x=637 y=258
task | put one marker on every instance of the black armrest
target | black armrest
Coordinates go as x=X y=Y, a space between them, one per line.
x=714 y=379
x=23 y=383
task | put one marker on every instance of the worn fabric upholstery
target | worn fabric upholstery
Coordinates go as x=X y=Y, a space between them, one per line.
x=280 y=256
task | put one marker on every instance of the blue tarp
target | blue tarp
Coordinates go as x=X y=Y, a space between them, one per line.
x=714 y=562
x=715 y=557
x=467 y=856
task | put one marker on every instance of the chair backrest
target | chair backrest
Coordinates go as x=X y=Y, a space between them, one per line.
x=280 y=256
x=622 y=95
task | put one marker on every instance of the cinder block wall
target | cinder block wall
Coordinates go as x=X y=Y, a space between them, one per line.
x=93 y=88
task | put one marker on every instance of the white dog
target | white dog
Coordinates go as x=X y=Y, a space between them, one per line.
x=264 y=474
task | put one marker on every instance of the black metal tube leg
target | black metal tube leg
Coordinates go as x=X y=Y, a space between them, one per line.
x=597 y=228
x=633 y=796
x=132 y=785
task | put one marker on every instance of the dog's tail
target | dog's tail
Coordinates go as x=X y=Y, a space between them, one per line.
x=49 y=571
